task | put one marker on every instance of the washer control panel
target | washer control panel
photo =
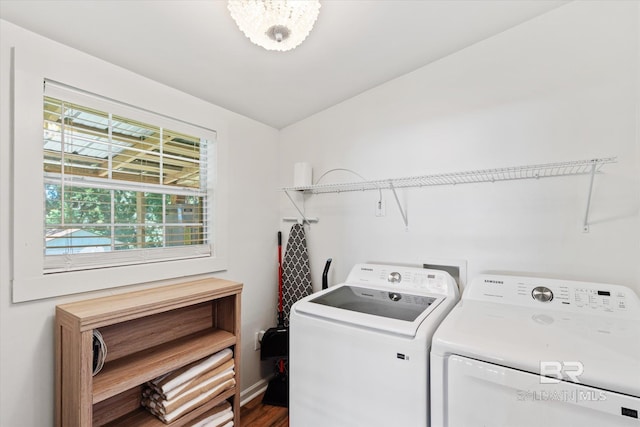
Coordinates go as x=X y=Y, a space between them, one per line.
x=585 y=297
x=408 y=278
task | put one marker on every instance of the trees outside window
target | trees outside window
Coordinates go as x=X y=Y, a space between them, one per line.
x=113 y=183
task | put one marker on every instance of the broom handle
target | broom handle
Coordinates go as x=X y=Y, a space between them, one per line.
x=280 y=311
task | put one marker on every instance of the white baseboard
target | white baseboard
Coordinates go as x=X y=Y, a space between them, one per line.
x=251 y=392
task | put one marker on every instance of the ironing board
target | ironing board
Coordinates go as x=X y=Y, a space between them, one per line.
x=296 y=275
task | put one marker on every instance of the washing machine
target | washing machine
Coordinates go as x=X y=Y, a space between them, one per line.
x=359 y=351
x=530 y=352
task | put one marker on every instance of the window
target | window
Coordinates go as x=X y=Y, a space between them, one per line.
x=116 y=179
x=118 y=190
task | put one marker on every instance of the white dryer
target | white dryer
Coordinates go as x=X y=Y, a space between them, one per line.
x=530 y=352
x=359 y=351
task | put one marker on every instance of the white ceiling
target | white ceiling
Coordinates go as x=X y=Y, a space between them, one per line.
x=195 y=46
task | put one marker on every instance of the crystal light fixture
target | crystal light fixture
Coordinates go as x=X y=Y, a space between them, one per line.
x=275 y=24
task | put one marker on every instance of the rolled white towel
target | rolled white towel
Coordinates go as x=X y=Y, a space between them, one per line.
x=169 y=417
x=216 y=419
x=189 y=395
x=194 y=382
x=165 y=384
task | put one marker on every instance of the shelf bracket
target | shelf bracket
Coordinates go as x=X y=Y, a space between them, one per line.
x=304 y=218
x=585 y=224
x=402 y=212
x=299 y=220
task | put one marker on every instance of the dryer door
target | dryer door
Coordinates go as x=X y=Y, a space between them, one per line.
x=483 y=394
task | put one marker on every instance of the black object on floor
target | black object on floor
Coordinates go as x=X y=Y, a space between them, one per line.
x=277 y=393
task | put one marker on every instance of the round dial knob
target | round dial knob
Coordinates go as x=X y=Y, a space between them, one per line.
x=394 y=296
x=542 y=294
x=395 y=277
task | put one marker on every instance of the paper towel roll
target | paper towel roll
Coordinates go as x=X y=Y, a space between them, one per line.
x=302 y=174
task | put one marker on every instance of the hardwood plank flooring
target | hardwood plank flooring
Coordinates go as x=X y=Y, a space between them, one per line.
x=256 y=414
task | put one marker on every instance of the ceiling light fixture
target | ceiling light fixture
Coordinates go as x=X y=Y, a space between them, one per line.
x=275 y=24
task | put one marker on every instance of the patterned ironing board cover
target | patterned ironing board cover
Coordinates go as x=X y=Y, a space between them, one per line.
x=296 y=276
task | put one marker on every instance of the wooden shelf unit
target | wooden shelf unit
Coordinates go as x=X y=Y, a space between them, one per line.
x=148 y=333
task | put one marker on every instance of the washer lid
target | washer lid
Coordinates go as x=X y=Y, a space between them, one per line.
x=373 y=308
x=377 y=302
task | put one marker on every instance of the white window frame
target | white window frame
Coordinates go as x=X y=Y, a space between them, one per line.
x=75 y=69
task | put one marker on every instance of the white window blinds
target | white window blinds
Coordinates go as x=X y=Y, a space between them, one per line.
x=122 y=185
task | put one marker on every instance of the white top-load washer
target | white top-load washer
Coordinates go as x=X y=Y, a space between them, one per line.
x=530 y=352
x=359 y=351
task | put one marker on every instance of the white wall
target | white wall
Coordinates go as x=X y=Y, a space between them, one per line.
x=561 y=87
x=26 y=329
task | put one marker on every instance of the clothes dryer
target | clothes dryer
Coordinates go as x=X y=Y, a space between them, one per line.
x=531 y=352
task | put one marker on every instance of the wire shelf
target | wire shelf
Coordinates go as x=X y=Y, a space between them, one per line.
x=578 y=167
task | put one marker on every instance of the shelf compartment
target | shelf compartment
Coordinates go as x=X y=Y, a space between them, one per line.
x=127 y=372
x=117 y=406
x=142 y=418
x=137 y=335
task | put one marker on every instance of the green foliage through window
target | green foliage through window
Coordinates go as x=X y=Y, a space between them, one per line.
x=115 y=184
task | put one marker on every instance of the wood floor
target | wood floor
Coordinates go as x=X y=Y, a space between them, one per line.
x=255 y=414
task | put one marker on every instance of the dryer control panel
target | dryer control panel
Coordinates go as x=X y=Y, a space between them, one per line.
x=566 y=295
x=407 y=278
